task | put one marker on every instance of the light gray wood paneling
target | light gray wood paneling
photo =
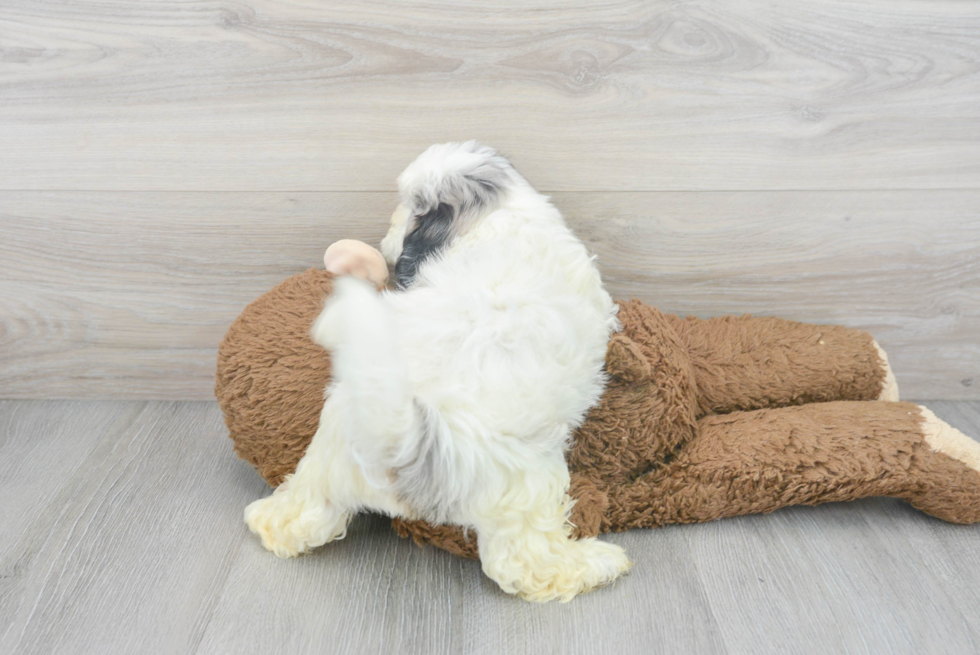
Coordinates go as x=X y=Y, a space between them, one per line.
x=628 y=95
x=903 y=265
x=128 y=537
x=126 y=295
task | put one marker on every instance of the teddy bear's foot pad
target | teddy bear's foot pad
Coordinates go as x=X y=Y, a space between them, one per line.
x=948 y=475
x=889 y=386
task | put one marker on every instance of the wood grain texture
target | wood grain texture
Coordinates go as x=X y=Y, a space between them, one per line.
x=129 y=549
x=137 y=290
x=626 y=95
x=43 y=445
x=870 y=594
x=125 y=534
x=126 y=295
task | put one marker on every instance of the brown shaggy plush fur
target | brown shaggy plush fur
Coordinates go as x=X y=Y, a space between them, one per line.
x=702 y=419
x=271 y=376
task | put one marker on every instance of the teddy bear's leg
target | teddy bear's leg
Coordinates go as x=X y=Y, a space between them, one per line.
x=524 y=537
x=745 y=362
x=759 y=461
x=951 y=473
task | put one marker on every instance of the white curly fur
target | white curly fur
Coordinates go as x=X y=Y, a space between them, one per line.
x=454 y=398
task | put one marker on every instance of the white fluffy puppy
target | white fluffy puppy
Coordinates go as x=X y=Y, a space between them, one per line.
x=454 y=397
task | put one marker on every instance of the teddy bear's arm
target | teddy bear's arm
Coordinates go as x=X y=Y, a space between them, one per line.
x=746 y=362
x=647 y=410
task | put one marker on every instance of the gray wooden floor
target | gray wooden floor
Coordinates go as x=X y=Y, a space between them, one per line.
x=122 y=533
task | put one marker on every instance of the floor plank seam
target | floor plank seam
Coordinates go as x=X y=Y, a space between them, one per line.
x=704 y=594
x=201 y=629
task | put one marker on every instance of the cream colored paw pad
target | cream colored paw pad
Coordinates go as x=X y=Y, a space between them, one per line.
x=889 y=388
x=944 y=438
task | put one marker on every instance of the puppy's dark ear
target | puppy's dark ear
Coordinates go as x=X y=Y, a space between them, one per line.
x=430 y=234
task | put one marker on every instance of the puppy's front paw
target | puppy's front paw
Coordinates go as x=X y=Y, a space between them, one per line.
x=602 y=562
x=567 y=568
x=592 y=563
x=289 y=525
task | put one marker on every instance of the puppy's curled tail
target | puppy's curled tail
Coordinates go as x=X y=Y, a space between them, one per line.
x=358 y=328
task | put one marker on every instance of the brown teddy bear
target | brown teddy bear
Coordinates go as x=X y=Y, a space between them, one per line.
x=701 y=419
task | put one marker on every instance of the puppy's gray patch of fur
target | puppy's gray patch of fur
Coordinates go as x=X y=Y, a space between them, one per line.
x=418 y=480
x=429 y=235
x=470 y=189
x=442 y=206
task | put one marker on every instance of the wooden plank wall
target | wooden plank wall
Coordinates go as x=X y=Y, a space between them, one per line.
x=164 y=162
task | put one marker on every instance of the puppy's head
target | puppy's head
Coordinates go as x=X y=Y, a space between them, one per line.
x=443 y=192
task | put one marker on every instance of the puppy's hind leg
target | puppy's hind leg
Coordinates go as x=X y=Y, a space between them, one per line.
x=524 y=539
x=368 y=411
x=301 y=515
